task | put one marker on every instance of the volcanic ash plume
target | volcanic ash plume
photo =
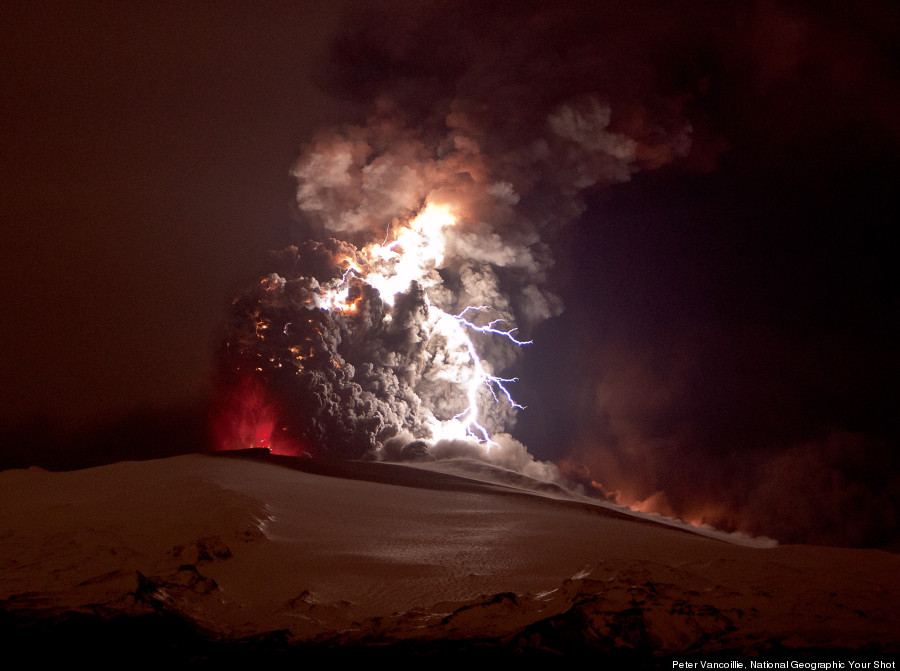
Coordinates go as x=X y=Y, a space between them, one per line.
x=397 y=334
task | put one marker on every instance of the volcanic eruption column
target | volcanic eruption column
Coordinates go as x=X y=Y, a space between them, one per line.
x=393 y=336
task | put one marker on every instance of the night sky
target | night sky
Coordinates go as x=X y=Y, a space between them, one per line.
x=728 y=349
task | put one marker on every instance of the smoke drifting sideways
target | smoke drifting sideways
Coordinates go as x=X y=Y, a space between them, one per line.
x=397 y=333
x=751 y=456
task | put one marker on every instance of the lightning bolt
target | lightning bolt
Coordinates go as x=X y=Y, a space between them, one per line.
x=495 y=384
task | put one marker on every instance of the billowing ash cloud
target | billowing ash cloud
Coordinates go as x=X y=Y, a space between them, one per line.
x=405 y=320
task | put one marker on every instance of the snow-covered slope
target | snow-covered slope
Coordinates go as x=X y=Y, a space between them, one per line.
x=389 y=553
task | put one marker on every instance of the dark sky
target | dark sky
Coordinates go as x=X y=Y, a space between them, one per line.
x=146 y=157
x=731 y=314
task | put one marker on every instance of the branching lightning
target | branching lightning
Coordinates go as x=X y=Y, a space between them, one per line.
x=489 y=328
x=492 y=382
